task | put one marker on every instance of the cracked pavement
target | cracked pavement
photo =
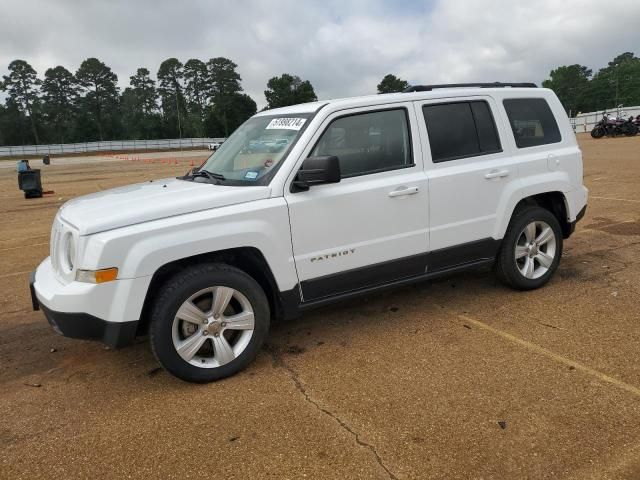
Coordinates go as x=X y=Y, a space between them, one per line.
x=280 y=362
x=454 y=379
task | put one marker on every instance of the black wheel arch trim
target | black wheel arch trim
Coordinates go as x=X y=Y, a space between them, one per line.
x=556 y=202
x=249 y=259
x=288 y=304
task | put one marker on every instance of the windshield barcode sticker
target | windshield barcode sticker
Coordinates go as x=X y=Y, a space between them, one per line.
x=286 y=123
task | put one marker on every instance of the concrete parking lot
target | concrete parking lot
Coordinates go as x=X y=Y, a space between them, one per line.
x=459 y=378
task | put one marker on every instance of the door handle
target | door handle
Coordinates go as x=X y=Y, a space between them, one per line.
x=496 y=174
x=404 y=191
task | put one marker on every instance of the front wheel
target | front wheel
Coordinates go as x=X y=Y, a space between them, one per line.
x=598 y=132
x=531 y=249
x=208 y=322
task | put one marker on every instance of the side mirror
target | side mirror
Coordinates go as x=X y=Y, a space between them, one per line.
x=317 y=171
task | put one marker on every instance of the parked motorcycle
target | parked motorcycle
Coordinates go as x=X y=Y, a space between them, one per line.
x=613 y=126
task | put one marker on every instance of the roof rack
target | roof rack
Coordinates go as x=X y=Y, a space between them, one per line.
x=428 y=88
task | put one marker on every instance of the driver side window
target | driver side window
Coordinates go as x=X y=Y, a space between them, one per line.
x=368 y=142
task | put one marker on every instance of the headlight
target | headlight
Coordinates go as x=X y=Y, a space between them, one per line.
x=97 y=276
x=68 y=252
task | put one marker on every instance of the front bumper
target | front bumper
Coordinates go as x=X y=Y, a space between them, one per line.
x=107 y=312
x=88 y=327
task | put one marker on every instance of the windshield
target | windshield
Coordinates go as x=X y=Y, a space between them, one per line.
x=256 y=148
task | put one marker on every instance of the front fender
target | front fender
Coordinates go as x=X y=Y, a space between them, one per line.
x=140 y=250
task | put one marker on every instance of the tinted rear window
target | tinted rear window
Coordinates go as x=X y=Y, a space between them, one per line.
x=532 y=122
x=487 y=134
x=461 y=129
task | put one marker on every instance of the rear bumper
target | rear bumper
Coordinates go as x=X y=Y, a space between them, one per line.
x=581 y=213
x=576 y=203
x=572 y=225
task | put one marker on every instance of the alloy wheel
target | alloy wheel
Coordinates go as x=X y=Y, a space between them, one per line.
x=535 y=249
x=213 y=327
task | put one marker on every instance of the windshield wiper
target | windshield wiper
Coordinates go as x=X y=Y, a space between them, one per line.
x=207 y=174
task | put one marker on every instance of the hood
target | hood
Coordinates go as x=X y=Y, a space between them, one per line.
x=143 y=202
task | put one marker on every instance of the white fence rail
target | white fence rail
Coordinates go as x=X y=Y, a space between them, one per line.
x=584 y=122
x=111 y=146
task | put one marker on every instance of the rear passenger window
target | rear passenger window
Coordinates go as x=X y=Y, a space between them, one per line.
x=487 y=135
x=532 y=122
x=368 y=142
x=461 y=129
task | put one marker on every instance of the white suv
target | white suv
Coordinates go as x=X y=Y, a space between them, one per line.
x=366 y=193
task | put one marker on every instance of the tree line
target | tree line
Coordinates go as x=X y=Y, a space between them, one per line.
x=191 y=99
x=580 y=90
x=577 y=87
x=206 y=99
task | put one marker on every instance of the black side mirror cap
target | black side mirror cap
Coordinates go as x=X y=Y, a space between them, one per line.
x=317 y=171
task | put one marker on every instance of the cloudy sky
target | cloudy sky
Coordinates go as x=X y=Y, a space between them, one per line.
x=344 y=47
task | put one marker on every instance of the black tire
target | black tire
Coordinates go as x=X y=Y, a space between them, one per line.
x=181 y=287
x=631 y=130
x=597 y=132
x=508 y=268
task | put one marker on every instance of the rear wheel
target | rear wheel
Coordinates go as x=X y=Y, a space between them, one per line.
x=531 y=249
x=631 y=130
x=208 y=323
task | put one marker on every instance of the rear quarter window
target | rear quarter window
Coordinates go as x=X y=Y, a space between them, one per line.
x=532 y=122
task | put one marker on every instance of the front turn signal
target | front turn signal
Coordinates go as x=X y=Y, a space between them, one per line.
x=97 y=276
